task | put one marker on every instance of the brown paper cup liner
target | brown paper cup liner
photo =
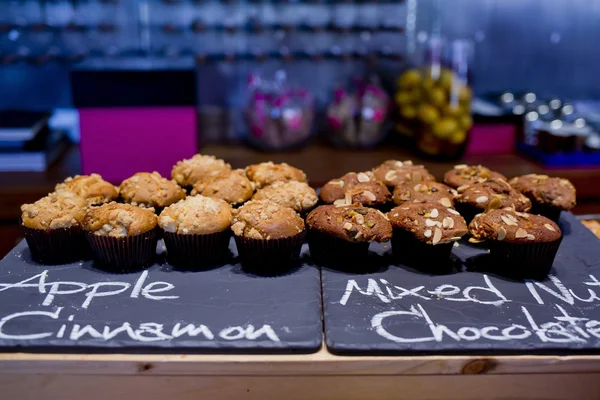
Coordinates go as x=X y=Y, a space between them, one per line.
x=337 y=253
x=197 y=251
x=420 y=255
x=531 y=260
x=124 y=254
x=57 y=246
x=269 y=256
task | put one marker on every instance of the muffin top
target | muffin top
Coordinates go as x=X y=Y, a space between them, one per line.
x=296 y=195
x=351 y=188
x=189 y=171
x=146 y=189
x=425 y=192
x=196 y=215
x=462 y=175
x=513 y=227
x=119 y=220
x=266 y=173
x=232 y=186
x=492 y=194
x=428 y=222
x=92 y=187
x=266 y=220
x=55 y=211
x=542 y=189
x=353 y=223
x=394 y=173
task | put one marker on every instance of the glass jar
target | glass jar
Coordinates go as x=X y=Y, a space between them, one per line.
x=433 y=101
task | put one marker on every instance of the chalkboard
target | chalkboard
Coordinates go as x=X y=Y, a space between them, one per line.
x=79 y=308
x=471 y=308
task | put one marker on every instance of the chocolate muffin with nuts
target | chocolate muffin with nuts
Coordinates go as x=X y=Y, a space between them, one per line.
x=146 y=189
x=122 y=237
x=196 y=231
x=525 y=244
x=425 y=232
x=296 y=195
x=425 y=192
x=92 y=187
x=340 y=236
x=189 y=171
x=549 y=196
x=462 y=175
x=393 y=173
x=232 y=186
x=360 y=188
x=53 y=228
x=266 y=173
x=268 y=236
x=489 y=195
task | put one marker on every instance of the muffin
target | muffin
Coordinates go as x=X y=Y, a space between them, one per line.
x=122 y=237
x=53 y=228
x=266 y=173
x=340 y=236
x=525 y=244
x=394 y=173
x=146 y=189
x=359 y=188
x=91 y=187
x=425 y=192
x=593 y=226
x=189 y=171
x=232 y=186
x=425 y=232
x=489 y=195
x=462 y=175
x=196 y=231
x=549 y=196
x=268 y=236
x=296 y=195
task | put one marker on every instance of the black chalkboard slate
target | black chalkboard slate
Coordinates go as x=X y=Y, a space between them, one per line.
x=235 y=307
x=399 y=310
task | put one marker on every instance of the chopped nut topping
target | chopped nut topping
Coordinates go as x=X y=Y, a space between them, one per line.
x=501 y=233
x=359 y=219
x=347 y=226
x=434 y=213
x=340 y=203
x=429 y=222
x=521 y=233
x=362 y=177
x=481 y=199
x=453 y=211
x=399 y=163
x=549 y=227
x=408 y=162
x=460 y=166
x=390 y=175
x=358 y=235
x=445 y=202
x=530 y=237
x=427 y=233
x=369 y=195
x=507 y=221
x=463 y=187
x=495 y=203
x=437 y=236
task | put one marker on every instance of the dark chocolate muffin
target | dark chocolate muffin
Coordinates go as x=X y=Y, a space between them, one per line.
x=549 y=196
x=394 y=173
x=489 y=195
x=525 y=244
x=466 y=175
x=340 y=236
x=425 y=192
x=425 y=232
x=360 y=188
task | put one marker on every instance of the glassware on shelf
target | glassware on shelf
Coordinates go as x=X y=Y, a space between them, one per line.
x=433 y=101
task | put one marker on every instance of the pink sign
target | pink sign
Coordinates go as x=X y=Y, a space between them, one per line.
x=491 y=139
x=118 y=142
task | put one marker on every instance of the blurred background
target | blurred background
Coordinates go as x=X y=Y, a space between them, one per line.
x=120 y=86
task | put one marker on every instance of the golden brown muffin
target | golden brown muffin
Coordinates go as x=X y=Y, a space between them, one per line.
x=266 y=220
x=187 y=172
x=233 y=187
x=146 y=189
x=196 y=215
x=266 y=173
x=492 y=194
x=546 y=191
x=428 y=222
x=351 y=188
x=55 y=211
x=393 y=173
x=425 y=192
x=462 y=175
x=119 y=220
x=296 y=195
x=514 y=227
x=352 y=223
x=91 y=187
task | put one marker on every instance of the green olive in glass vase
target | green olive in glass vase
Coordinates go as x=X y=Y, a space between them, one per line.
x=428 y=114
x=444 y=128
x=409 y=79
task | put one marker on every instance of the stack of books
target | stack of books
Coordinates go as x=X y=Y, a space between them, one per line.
x=27 y=143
